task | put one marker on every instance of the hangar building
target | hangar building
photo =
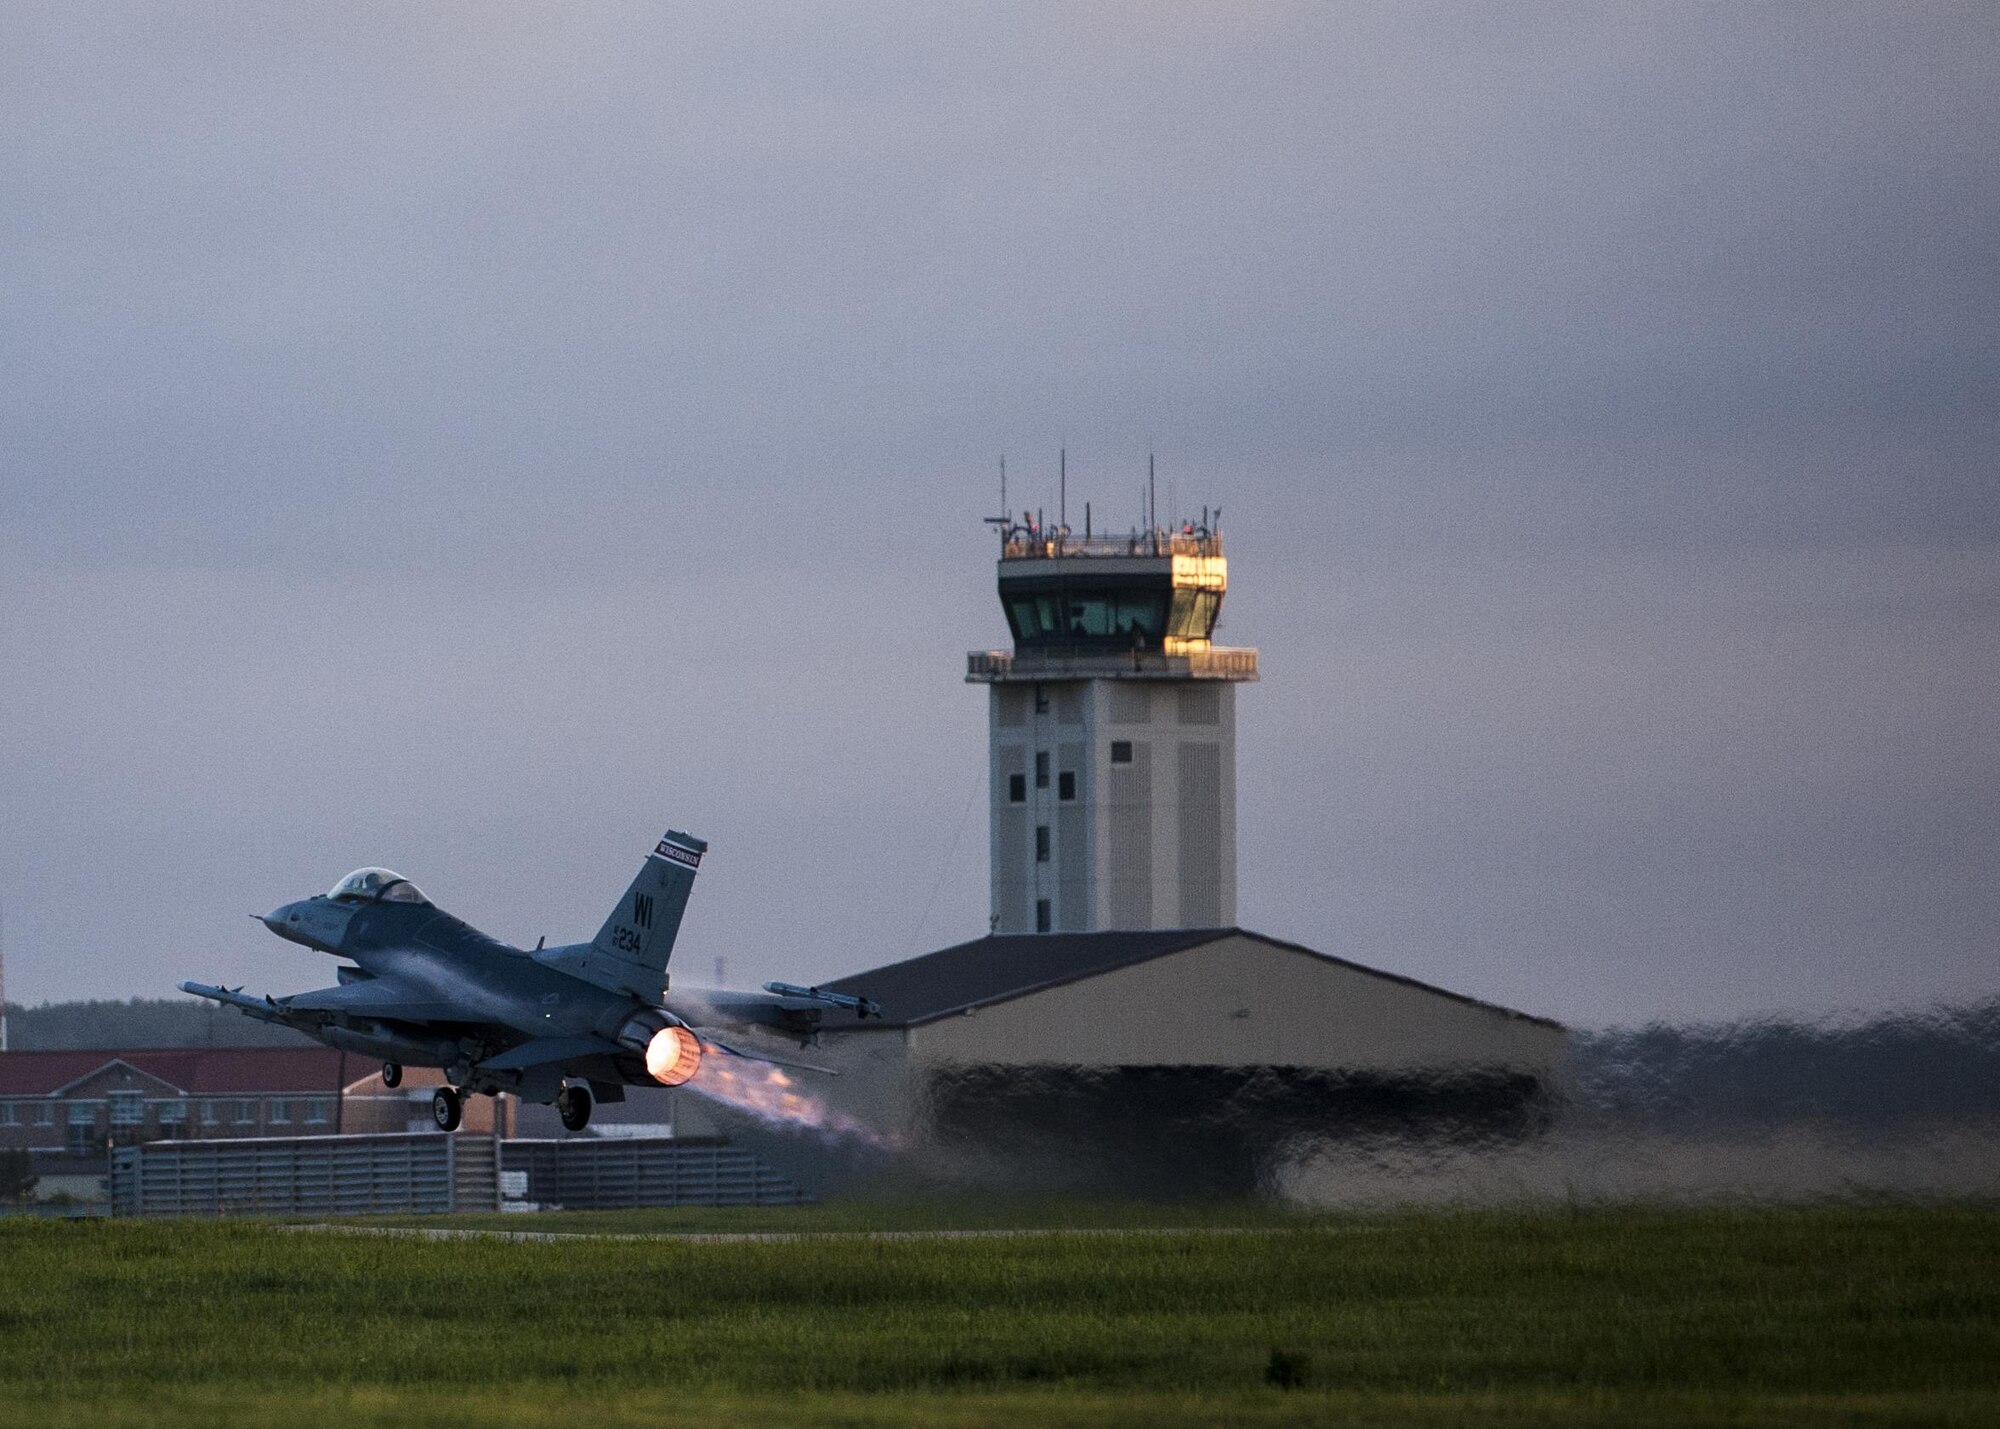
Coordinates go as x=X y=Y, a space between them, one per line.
x=1115 y=1017
x=1198 y=1060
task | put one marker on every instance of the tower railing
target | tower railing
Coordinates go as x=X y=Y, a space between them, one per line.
x=1216 y=662
x=1025 y=544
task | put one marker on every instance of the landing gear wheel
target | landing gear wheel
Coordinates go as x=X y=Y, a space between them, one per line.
x=573 y=1106
x=392 y=1074
x=445 y=1110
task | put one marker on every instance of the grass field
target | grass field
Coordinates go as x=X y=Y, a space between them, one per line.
x=941 y=1214
x=1833 y=1314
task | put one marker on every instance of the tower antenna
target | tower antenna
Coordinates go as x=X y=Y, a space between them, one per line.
x=1003 y=523
x=1152 y=507
x=1062 y=478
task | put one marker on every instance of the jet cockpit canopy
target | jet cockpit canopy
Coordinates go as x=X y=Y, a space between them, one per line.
x=376 y=885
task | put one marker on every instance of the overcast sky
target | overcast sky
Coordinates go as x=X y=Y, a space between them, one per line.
x=473 y=438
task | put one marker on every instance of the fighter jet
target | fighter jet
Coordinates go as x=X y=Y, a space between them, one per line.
x=568 y=1024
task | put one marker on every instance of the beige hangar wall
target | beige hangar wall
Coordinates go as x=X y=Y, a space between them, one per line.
x=1241 y=1000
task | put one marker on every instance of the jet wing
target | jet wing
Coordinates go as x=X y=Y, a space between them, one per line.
x=731 y=1007
x=384 y=997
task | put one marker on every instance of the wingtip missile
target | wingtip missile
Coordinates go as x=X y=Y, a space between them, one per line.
x=262 y=1007
x=859 y=1006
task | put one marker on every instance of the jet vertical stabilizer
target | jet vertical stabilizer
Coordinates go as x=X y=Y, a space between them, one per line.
x=630 y=952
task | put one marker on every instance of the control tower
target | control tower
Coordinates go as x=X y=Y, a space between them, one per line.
x=1113 y=732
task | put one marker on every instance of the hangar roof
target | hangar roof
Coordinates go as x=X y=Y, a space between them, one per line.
x=1009 y=965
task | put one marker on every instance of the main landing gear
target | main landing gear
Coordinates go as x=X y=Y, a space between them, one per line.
x=573 y=1106
x=445 y=1109
x=392 y=1075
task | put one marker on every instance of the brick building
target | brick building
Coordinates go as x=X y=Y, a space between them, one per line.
x=76 y=1104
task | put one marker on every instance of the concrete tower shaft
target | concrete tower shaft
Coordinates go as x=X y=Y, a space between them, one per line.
x=1112 y=750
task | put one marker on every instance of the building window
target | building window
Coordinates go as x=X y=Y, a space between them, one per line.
x=1041 y=915
x=211 y=1112
x=246 y=1113
x=1041 y=843
x=1121 y=751
x=80 y=1139
x=1042 y=769
x=8 y=1116
x=82 y=1135
x=281 y=1111
x=45 y=1115
x=128 y=1108
x=1017 y=788
x=319 y=1110
x=173 y=1113
x=1041 y=700
x=1066 y=785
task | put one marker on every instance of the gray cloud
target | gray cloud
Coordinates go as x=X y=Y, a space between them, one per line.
x=466 y=437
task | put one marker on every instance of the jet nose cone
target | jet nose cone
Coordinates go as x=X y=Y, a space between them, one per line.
x=279 y=920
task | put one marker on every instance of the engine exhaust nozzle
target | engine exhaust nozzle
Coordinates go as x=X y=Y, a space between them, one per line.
x=673 y=1056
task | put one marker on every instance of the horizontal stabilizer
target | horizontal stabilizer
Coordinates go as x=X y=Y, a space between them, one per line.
x=734 y=1008
x=708 y=1035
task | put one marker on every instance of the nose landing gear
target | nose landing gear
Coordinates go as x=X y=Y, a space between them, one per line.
x=392 y=1075
x=573 y=1106
x=445 y=1109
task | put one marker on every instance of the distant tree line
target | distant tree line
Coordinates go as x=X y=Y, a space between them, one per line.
x=139 y=1022
x=1943 y=1062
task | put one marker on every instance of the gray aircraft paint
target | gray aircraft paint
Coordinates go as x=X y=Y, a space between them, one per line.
x=427 y=989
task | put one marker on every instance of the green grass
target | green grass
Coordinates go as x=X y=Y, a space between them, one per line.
x=1854 y=1315
x=934 y=1214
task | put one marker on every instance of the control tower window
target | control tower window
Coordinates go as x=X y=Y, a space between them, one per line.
x=1194 y=614
x=1111 y=617
x=1041 y=769
x=1035 y=616
x=1041 y=843
x=1041 y=915
x=1017 y=788
x=1100 y=616
x=1121 y=751
x=1066 y=785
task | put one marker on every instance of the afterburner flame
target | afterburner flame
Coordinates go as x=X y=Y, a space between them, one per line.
x=673 y=1055
x=769 y=1093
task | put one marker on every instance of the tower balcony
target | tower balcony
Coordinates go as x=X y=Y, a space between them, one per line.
x=1207 y=662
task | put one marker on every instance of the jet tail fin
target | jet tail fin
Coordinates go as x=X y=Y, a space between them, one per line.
x=633 y=946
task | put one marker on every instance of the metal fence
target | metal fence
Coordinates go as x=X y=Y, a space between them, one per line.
x=392 y=1173
x=306 y=1175
x=600 y=1174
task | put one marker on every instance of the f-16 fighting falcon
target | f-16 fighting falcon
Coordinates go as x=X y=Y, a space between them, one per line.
x=565 y=1025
